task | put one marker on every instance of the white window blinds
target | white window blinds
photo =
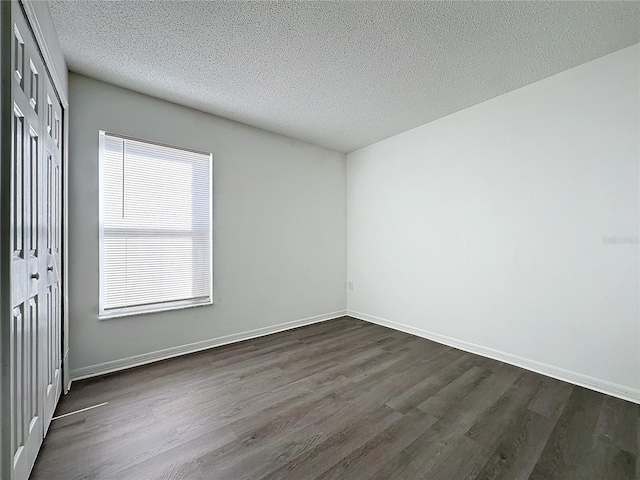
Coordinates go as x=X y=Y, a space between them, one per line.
x=155 y=230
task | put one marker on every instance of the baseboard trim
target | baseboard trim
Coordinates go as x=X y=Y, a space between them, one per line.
x=602 y=386
x=137 y=360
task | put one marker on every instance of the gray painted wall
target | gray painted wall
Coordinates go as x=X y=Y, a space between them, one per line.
x=279 y=226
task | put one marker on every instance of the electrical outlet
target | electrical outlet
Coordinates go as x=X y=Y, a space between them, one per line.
x=350 y=285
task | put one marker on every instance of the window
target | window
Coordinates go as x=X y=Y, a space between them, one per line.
x=155 y=227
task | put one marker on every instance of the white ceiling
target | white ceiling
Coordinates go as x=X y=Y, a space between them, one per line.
x=338 y=74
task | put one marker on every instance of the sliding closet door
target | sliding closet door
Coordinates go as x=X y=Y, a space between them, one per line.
x=27 y=423
x=36 y=245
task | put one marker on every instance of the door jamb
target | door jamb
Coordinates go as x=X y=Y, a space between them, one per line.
x=6 y=148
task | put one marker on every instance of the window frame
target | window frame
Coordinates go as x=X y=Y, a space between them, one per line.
x=152 y=307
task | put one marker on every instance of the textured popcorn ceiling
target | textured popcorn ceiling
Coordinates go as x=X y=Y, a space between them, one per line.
x=338 y=74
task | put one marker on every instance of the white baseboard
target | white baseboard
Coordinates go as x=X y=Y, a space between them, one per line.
x=575 y=378
x=137 y=360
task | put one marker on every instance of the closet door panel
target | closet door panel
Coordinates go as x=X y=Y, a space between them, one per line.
x=52 y=242
x=35 y=329
x=28 y=264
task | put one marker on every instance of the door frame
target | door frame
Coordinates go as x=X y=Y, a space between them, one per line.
x=6 y=149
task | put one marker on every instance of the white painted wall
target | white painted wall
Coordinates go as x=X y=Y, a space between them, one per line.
x=487 y=226
x=279 y=226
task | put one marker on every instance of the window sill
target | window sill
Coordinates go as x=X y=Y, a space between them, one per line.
x=129 y=312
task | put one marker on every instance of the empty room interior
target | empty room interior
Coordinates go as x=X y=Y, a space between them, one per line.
x=320 y=240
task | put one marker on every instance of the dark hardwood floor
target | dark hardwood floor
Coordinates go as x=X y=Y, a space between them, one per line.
x=343 y=399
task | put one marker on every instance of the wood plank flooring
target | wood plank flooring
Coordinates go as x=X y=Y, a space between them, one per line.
x=343 y=399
